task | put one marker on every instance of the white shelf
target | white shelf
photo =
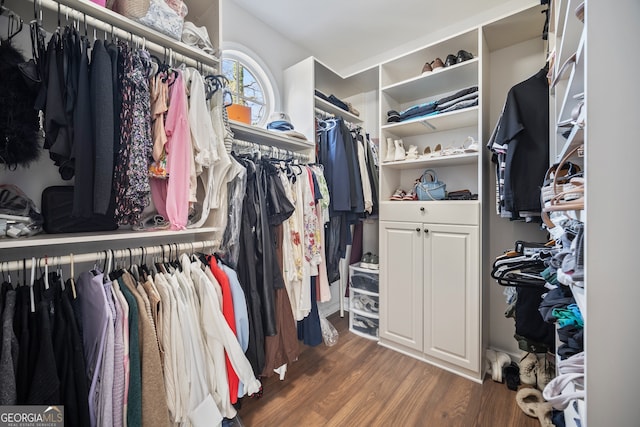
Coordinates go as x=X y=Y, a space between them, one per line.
x=452 y=78
x=436 y=123
x=75 y=238
x=357 y=267
x=262 y=136
x=575 y=86
x=105 y=16
x=335 y=110
x=571 y=32
x=453 y=160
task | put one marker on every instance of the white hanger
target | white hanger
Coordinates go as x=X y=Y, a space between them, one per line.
x=33 y=279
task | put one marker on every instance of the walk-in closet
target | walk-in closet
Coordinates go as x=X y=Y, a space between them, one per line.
x=236 y=213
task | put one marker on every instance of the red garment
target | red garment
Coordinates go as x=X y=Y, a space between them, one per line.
x=230 y=317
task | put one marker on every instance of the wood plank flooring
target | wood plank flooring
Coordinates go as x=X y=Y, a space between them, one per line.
x=359 y=383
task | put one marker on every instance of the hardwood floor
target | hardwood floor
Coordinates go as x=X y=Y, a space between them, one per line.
x=359 y=383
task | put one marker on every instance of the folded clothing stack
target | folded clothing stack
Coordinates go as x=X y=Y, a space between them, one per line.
x=463 y=98
x=346 y=106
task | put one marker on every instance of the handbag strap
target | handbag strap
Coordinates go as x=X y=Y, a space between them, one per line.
x=429 y=173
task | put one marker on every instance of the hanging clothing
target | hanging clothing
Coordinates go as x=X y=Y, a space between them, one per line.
x=520 y=143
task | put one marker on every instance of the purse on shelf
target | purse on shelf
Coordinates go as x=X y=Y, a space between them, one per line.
x=429 y=187
x=57 y=205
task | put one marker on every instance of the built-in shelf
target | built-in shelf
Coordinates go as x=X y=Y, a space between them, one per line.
x=451 y=160
x=40 y=240
x=575 y=138
x=436 y=123
x=105 y=18
x=262 y=136
x=438 y=82
x=328 y=107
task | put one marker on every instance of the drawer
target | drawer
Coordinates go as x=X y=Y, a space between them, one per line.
x=364 y=304
x=461 y=212
x=364 y=280
x=364 y=326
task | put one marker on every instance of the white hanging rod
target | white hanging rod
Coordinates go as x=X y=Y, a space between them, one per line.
x=326 y=115
x=165 y=249
x=124 y=28
x=268 y=149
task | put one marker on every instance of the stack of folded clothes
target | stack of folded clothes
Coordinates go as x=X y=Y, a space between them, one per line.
x=464 y=98
x=346 y=106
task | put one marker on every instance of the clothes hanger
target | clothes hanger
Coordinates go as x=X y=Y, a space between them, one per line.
x=72 y=279
x=31 y=283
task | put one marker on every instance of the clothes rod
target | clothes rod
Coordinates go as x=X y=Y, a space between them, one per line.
x=268 y=149
x=165 y=249
x=103 y=19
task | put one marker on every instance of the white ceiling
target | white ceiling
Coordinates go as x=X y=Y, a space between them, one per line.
x=348 y=32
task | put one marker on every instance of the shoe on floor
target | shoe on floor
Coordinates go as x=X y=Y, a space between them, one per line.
x=528 y=365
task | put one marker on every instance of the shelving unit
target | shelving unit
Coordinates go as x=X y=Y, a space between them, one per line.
x=271 y=138
x=43 y=173
x=364 y=319
x=568 y=37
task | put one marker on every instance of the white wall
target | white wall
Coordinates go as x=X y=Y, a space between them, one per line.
x=432 y=35
x=508 y=66
x=269 y=48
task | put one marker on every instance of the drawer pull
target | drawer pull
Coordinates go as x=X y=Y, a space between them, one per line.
x=422 y=209
x=418 y=229
x=426 y=230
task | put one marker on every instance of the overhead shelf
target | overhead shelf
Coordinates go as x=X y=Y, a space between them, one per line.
x=262 y=136
x=107 y=20
x=328 y=107
x=76 y=238
x=440 y=122
x=448 y=79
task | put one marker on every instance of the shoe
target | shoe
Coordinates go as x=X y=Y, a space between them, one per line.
x=427 y=151
x=545 y=372
x=393 y=116
x=374 y=264
x=437 y=64
x=390 y=151
x=398 y=194
x=463 y=55
x=152 y=223
x=511 y=375
x=426 y=69
x=400 y=153
x=528 y=365
x=411 y=195
x=412 y=153
x=533 y=404
x=365 y=262
x=471 y=146
x=437 y=151
x=451 y=60
x=498 y=361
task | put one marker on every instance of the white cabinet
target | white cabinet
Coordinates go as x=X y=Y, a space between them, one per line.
x=451 y=289
x=430 y=288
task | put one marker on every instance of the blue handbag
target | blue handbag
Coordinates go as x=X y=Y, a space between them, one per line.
x=429 y=188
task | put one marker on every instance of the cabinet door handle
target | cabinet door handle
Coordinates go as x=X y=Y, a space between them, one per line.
x=422 y=209
x=426 y=230
x=418 y=229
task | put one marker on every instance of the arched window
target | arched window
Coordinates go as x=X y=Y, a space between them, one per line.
x=249 y=84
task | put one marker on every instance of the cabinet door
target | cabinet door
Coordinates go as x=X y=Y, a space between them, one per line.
x=452 y=294
x=401 y=283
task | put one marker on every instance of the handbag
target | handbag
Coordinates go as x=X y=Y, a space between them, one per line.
x=429 y=187
x=57 y=205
